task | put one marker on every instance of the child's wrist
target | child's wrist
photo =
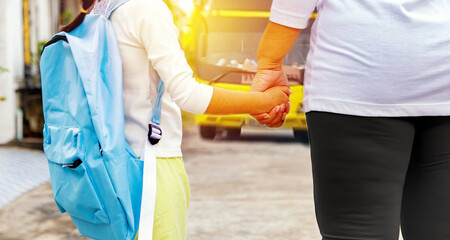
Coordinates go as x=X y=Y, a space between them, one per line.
x=256 y=101
x=265 y=103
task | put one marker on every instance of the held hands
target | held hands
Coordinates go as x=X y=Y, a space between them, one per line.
x=278 y=103
x=264 y=80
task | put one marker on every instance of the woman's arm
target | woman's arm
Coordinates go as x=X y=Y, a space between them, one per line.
x=275 y=44
x=287 y=17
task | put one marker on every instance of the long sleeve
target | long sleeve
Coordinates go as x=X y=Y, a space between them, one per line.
x=159 y=36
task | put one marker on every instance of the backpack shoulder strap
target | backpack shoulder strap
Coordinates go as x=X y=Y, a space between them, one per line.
x=113 y=5
x=156 y=116
x=154 y=131
x=54 y=39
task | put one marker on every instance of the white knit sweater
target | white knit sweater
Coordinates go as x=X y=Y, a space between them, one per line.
x=149 y=47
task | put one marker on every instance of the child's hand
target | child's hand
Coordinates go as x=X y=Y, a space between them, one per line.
x=278 y=101
x=277 y=96
x=265 y=79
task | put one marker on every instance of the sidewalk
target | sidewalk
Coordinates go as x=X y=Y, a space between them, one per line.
x=20 y=171
x=258 y=187
x=27 y=208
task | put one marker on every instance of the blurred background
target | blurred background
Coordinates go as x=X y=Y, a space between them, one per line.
x=247 y=181
x=220 y=38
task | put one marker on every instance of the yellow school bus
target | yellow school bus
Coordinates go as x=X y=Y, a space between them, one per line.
x=221 y=41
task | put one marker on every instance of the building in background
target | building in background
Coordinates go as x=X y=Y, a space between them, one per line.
x=25 y=26
x=11 y=64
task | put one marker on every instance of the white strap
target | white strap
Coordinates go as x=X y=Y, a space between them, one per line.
x=148 y=193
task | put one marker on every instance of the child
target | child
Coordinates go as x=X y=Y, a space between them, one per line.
x=149 y=48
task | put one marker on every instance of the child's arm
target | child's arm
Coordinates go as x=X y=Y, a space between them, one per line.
x=232 y=102
x=154 y=29
x=275 y=44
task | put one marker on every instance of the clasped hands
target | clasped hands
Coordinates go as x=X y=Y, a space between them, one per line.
x=272 y=80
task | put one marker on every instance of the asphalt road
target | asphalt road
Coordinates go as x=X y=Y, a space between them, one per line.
x=253 y=188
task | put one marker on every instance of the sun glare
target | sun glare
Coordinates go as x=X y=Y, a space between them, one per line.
x=186 y=5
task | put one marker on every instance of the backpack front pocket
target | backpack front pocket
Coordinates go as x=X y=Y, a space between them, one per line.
x=72 y=184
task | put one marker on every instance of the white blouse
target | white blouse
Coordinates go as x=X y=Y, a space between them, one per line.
x=374 y=58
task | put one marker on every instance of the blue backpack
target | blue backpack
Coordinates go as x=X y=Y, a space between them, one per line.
x=96 y=177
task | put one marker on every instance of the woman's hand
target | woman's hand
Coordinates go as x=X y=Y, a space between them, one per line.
x=265 y=79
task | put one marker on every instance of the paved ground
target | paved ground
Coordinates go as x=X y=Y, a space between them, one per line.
x=258 y=187
x=255 y=188
x=28 y=166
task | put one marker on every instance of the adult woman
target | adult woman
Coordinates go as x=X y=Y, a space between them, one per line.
x=377 y=99
x=149 y=48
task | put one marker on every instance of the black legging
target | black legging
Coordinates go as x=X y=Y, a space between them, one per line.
x=372 y=174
